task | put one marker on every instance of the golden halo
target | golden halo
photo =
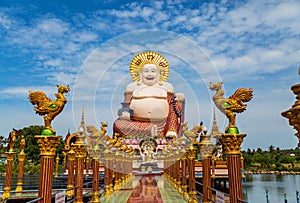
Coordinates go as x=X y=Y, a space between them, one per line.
x=149 y=57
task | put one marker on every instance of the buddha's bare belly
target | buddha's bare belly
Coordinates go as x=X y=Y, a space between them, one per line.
x=150 y=108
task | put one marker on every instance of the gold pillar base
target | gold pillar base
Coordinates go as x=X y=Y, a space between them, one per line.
x=19 y=187
x=6 y=193
x=123 y=180
x=117 y=185
x=95 y=198
x=107 y=190
x=179 y=187
x=184 y=191
x=69 y=193
x=111 y=189
x=192 y=198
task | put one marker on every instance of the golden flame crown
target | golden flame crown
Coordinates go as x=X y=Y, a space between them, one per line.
x=149 y=57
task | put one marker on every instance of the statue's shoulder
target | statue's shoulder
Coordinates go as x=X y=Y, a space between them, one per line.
x=131 y=87
x=168 y=86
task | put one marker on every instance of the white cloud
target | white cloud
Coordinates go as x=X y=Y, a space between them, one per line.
x=5 y=21
x=22 y=92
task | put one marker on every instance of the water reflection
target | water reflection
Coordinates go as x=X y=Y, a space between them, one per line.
x=146 y=191
x=277 y=185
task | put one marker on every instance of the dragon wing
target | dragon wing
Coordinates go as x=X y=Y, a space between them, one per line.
x=43 y=104
x=243 y=94
x=235 y=102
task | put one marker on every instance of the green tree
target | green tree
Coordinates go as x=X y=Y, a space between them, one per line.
x=271 y=149
x=31 y=147
x=3 y=144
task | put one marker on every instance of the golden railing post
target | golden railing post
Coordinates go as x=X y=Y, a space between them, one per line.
x=178 y=177
x=56 y=165
x=117 y=171
x=95 y=163
x=213 y=161
x=71 y=158
x=106 y=173
x=192 y=185
x=206 y=148
x=80 y=154
x=87 y=160
x=110 y=172
x=64 y=160
x=232 y=145
x=9 y=158
x=21 y=158
x=47 y=146
x=183 y=172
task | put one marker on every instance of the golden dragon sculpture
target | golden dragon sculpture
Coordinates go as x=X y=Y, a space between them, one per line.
x=47 y=107
x=233 y=104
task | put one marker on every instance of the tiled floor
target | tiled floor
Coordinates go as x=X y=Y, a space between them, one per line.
x=145 y=189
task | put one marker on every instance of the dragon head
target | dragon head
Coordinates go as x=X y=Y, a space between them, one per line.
x=216 y=86
x=63 y=89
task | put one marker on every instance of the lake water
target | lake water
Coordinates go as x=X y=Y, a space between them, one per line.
x=277 y=185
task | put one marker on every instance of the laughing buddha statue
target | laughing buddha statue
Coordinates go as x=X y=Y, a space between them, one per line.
x=150 y=107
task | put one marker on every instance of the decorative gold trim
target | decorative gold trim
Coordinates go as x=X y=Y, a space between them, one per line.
x=232 y=143
x=149 y=57
x=10 y=156
x=48 y=144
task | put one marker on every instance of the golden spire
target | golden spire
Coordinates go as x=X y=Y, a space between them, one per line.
x=215 y=131
x=82 y=123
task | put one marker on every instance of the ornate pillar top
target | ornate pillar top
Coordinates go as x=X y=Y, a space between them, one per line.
x=48 y=144
x=232 y=143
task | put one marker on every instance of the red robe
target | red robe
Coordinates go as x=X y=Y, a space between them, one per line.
x=141 y=128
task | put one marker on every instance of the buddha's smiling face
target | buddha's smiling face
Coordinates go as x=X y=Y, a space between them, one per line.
x=150 y=74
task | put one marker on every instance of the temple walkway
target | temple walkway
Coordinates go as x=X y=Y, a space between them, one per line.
x=145 y=189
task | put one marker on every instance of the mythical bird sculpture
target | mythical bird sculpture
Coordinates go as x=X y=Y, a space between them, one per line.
x=233 y=104
x=48 y=108
x=193 y=133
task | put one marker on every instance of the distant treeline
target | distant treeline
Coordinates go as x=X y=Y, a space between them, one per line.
x=273 y=159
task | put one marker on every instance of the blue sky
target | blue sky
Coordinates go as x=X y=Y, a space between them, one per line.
x=89 y=45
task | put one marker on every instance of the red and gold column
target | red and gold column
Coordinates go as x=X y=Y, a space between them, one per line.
x=64 y=160
x=71 y=158
x=191 y=154
x=80 y=154
x=106 y=173
x=47 y=146
x=95 y=198
x=232 y=145
x=178 y=181
x=9 y=158
x=21 y=158
x=117 y=171
x=56 y=165
x=110 y=172
x=206 y=148
x=183 y=175
x=87 y=167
